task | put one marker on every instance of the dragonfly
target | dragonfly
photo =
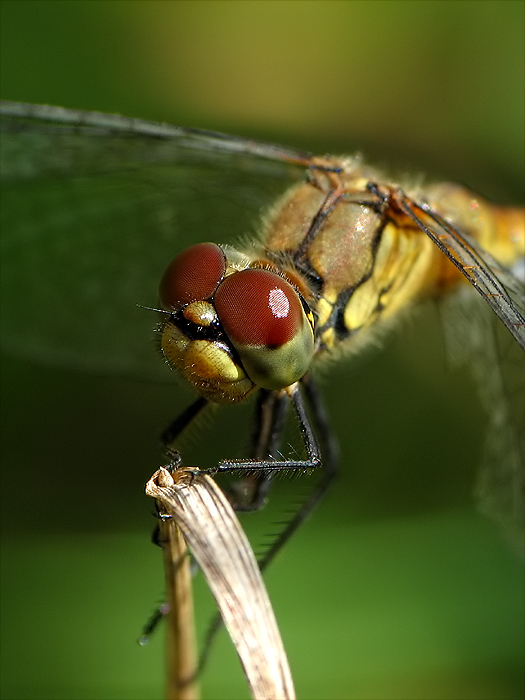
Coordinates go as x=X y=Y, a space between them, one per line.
x=341 y=253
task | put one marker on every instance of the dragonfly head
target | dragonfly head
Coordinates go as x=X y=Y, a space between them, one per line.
x=231 y=330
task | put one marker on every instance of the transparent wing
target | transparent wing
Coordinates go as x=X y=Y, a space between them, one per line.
x=93 y=208
x=501 y=290
x=59 y=143
x=476 y=339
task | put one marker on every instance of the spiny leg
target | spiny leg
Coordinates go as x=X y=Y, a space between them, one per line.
x=329 y=464
x=267 y=466
x=180 y=423
x=250 y=492
x=330 y=453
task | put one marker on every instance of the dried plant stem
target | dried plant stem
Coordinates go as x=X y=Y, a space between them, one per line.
x=181 y=655
x=220 y=547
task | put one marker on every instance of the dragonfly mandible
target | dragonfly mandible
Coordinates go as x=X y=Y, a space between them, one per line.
x=340 y=256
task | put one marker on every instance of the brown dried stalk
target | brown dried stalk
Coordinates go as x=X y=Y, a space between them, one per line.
x=222 y=551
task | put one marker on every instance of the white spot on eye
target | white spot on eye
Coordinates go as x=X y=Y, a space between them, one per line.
x=278 y=303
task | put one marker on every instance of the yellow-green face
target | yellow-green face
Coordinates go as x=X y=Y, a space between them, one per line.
x=232 y=330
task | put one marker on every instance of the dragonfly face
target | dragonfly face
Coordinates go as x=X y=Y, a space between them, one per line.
x=340 y=255
x=233 y=326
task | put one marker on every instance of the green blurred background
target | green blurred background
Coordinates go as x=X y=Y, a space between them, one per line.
x=397 y=588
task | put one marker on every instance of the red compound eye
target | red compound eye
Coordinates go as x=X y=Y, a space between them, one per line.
x=267 y=325
x=258 y=307
x=192 y=276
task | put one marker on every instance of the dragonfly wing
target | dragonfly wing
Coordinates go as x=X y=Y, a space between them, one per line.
x=476 y=339
x=58 y=140
x=93 y=209
x=499 y=287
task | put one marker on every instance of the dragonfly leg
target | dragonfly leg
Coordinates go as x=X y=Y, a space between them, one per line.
x=265 y=468
x=329 y=464
x=330 y=452
x=266 y=465
x=180 y=423
x=250 y=492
